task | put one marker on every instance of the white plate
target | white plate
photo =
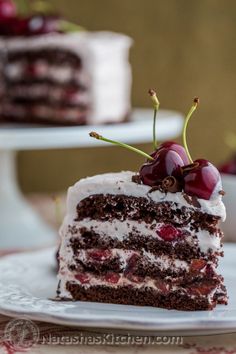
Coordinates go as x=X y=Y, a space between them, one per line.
x=27 y=281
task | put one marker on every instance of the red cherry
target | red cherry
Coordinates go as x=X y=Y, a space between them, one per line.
x=229 y=167
x=204 y=288
x=161 y=285
x=166 y=163
x=83 y=278
x=131 y=264
x=197 y=265
x=168 y=233
x=15 y=27
x=171 y=145
x=112 y=278
x=7 y=9
x=203 y=180
x=134 y=278
x=99 y=255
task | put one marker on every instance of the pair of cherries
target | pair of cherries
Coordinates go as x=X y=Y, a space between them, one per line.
x=197 y=178
x=13 y=25
x=200 y=179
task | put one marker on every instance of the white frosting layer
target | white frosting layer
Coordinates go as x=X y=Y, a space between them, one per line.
x=121 y=183
x=104 y=60
x=43 y=70
x=120 y=230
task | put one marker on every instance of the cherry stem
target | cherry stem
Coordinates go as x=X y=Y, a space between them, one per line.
x=156 y=105
x=140 y=152
x=230 y=140
x=66 y=26
x=192 y=109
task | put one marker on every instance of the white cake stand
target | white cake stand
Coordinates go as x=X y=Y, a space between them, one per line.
x=20 y=226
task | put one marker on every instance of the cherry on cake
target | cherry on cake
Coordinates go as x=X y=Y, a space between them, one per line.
x=150 y=238
x=50 y=74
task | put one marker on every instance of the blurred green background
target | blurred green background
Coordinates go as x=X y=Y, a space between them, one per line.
x=183 y=48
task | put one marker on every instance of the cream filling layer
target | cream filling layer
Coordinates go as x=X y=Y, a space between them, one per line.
x=163 y=262
x=43 y=70
x=120 y=230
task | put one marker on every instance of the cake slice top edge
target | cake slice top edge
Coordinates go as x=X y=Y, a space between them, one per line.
x=77 y=42
x=120 y=183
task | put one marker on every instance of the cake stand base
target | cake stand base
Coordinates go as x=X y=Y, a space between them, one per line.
x=20 y=226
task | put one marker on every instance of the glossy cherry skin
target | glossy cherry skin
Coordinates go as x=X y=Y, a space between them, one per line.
x=166 y=163
x=229 y=167
x=177 y=148
x=171 y=145
x=203 y=180
x=7 y=9
x=31 y=26
x=40 y=24
x=14 y=27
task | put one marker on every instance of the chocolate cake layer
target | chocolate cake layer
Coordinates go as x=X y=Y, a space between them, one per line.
x=181 y=249
x=144 y=297
x=32 y=118
x=108 y=207
x=52 y=56
x=30 y=102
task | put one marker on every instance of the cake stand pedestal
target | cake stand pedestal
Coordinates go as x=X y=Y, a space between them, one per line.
x=20 y=226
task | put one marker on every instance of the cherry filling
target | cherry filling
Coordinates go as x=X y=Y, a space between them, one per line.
x=131 y=263
x=82 y=277
x=168 y=233
x=162 y=285
x=203 y=288
x=99 y=255
x=197 y=265
x=112 y=278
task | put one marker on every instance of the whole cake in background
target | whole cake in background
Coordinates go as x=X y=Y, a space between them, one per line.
x=151 y=238
x=229 y=166
x=52 y=71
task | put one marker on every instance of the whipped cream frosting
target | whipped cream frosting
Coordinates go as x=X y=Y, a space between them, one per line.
x=121 y=183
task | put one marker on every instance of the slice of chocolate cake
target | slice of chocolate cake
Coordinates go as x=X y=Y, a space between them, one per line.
x=125 y=243
x=150 y=239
